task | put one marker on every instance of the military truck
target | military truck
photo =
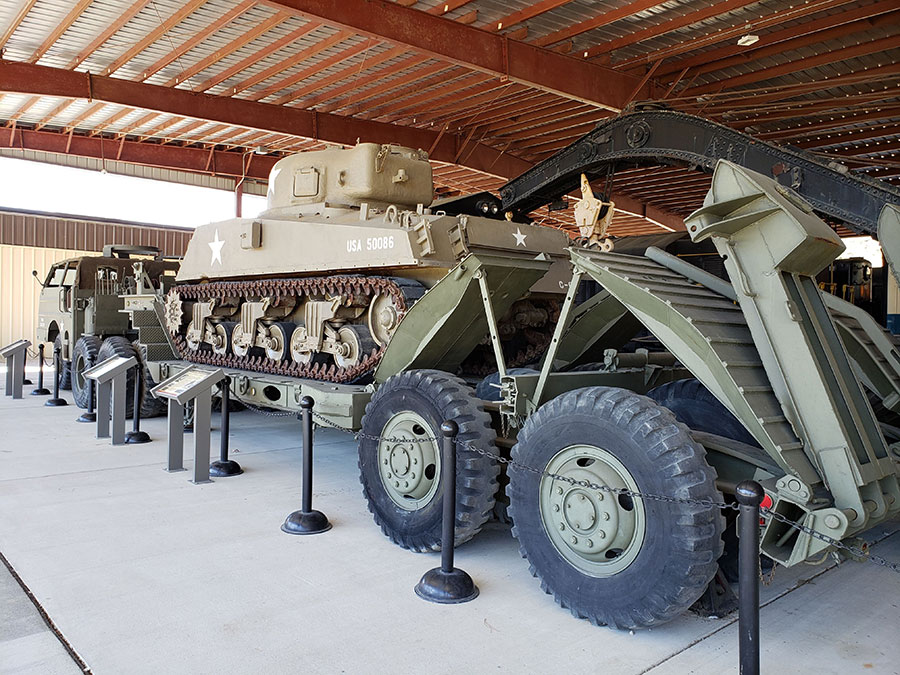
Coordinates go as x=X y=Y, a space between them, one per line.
x=764 y=377
x=81 y=312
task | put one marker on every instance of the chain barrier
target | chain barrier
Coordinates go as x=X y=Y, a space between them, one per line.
x=268 y=413
x=733 y=506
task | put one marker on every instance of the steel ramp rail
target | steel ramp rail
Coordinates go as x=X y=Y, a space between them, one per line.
x=710 y=336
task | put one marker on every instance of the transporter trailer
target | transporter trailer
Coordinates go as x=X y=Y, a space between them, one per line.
x=764 y=377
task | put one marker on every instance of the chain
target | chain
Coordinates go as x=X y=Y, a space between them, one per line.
x=709 y=503
x=267 y=413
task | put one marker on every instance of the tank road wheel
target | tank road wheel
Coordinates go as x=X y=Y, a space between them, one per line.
x=279 y=347
x=193 y=345
x=223 y=330
x=299 y=353
x=613 y=559
x=237 y=334
x=383 y=317
x=65 y=371
x=173 y=311
x=84 y=355
x=356 y=344
x=402 y=480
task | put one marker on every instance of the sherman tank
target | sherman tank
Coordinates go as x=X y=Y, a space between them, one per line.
x=316 y=285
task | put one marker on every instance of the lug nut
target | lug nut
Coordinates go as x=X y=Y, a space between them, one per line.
x=574 y=540
x=590 y=543
x=562 y=526
x=601 y=534
x=559 y=490
x=556 y=507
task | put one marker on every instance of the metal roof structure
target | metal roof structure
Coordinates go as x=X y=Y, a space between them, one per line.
x=487 y=87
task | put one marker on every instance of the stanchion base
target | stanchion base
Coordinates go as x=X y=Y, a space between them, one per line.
x=87 y=417
x=446 y=588
x=40 y=391
x=135 y=437
x=56 y=402
x=221 y=469
x=314 y=522
x=27 y=381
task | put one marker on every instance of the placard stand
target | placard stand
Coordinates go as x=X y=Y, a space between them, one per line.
x=15 y=366
x=191 y=384
x=111 y=379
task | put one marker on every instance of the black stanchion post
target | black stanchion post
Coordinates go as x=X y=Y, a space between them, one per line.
x=25 y=379
x=306 y=520
x=447 y=584
x=223 y=466
x=136 y=436
x=749 y=494
x=57 y=367
x=89 y=415
x=41 y=389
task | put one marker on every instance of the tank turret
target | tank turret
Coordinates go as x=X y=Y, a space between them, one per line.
x=316 y=285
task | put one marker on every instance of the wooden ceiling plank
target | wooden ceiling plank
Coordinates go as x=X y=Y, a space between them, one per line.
x=186 y=10
x=59 y=29
x=689 y=19
x=232 y=47
x=207 y=31
x=258 y=55
x=604 y=19
x=16 y=22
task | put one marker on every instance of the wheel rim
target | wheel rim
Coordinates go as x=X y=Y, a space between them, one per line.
x=278 y=341
x=299 y=354
x=597 y=532
x=410 y=470
x=350 y=344
x=236 y=335
x=79 y=366
x=221 y=347
x=383 y=318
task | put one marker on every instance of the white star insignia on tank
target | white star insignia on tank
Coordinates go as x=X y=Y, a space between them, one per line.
x=215 y=246
x=520 y=238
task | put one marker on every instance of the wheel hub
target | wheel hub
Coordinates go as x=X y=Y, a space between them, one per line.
x=593 y=529
x=408 y=461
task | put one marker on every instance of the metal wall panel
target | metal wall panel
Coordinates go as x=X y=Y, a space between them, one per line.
x=20 y=228
x=19 y=291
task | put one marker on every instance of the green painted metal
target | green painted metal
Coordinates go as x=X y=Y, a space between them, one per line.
x=410 y=470
x=585 y=524
x=889 y=237
x=773 y=246
x=598 y=324
x=448 y=322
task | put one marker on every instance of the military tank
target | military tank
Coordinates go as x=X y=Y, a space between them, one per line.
x=317 y=284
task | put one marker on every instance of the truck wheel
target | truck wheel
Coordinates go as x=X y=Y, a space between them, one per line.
x=610 y=558
x=150 y=405
x=117 y=345
x=65 y=373
x=694 y=405
x=84 y=355
x=402 y=481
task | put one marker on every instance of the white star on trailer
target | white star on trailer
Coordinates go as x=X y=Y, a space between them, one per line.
x=215 y=246
x=520 y=238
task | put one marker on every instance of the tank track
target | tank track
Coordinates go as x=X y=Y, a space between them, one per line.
x=332 y=285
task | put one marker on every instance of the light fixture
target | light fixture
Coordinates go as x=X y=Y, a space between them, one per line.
x=747 y=40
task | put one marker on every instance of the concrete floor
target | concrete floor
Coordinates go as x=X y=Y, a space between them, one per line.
x=142 y=572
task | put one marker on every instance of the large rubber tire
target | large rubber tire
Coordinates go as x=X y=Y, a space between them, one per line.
x=657 y=557
x=424 y=399
x=84 y=356
x=117 y=345
x=695 y=406
x=65 y=373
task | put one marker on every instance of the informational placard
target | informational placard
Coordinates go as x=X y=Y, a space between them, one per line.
x=185 y=385
x=108 y=369
x=14 y=348
x=111 y=377
x=15 y=366
x=191 y=384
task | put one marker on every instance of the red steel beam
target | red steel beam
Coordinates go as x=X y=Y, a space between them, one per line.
x=477 y=49
x=607 y=17
x=16 y=77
